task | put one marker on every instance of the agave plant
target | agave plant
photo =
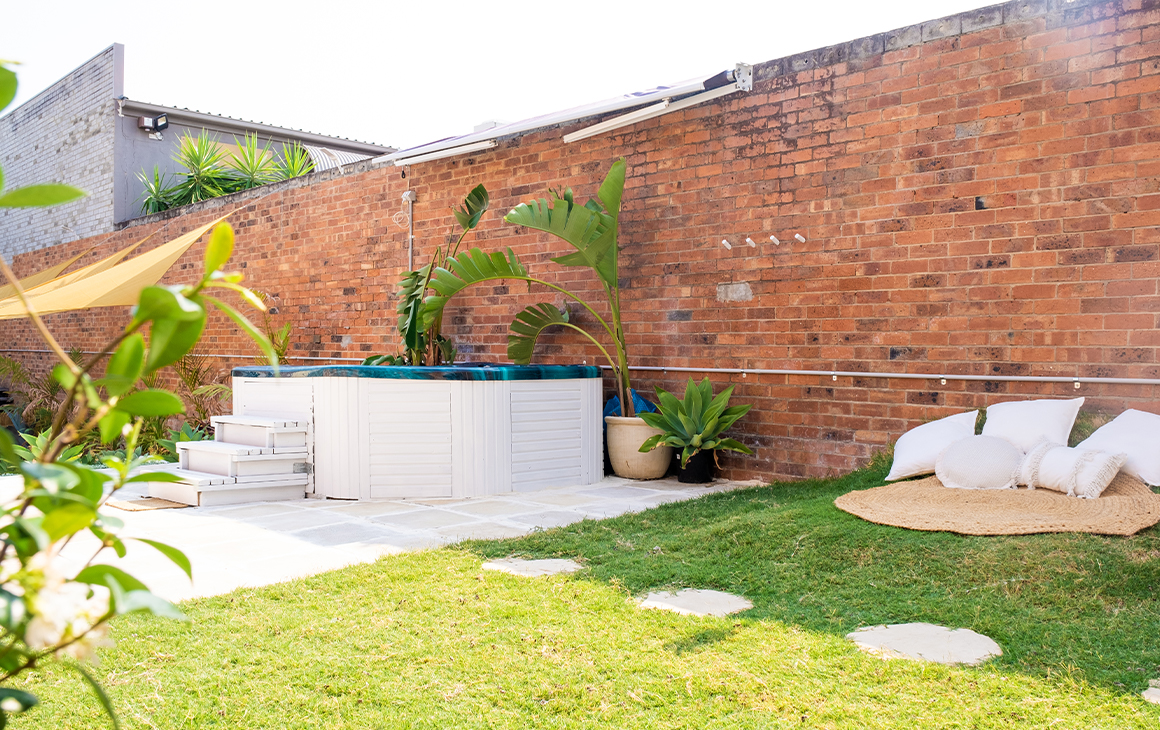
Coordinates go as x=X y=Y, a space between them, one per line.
x=592 y=229
x=294 y=162
x=251 y=165
x=695 y=423
x=205 y=176
x=423 y=340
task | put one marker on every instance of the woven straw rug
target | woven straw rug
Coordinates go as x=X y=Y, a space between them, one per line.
x=1125 y=508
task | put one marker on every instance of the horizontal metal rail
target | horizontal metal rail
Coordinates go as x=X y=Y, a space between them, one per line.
x=833 y=374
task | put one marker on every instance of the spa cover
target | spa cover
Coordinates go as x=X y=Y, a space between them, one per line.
x=1126 y=507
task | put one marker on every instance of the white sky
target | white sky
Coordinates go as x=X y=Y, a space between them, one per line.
x=403 y=74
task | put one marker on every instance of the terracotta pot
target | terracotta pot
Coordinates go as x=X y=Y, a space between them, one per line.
x=625 y=435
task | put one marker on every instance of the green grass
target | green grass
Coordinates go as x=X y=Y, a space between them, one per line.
x=430 y=640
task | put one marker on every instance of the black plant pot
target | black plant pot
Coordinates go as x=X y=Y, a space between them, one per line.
x=698 y=469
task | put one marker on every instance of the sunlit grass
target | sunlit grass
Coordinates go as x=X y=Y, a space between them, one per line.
x=430 y=640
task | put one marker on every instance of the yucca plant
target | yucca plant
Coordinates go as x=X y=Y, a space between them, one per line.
x=294 y=162
x=205 y=176
x=158 y=195
x=695 y=423
x=251 y=165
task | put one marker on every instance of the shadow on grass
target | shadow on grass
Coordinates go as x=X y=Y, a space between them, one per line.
x=1082 y=605
x=699 y=640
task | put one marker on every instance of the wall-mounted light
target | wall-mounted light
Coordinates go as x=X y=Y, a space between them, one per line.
x=153 y=124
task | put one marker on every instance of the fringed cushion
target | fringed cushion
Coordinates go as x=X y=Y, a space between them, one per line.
x=979 y=462
x=1083 y=473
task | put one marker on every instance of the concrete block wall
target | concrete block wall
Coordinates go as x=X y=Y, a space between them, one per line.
x=65 y=134
x=978 y=195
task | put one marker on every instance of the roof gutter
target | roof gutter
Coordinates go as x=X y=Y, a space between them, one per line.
x=224 y=124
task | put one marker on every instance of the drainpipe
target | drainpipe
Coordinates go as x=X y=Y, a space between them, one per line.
x=410 y=197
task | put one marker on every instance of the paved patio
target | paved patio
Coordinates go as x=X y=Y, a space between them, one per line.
x=268 y=542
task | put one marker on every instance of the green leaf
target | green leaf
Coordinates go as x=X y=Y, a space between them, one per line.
x=248 y=327
x=527 y=327
x=467 y=269
x=178 y=557
x=8 y=87
x=100 y=575
x=159 y=302
x=145 y=601
x=6 y=451
x=67 y=519
x=40 y=196
x=154 y=476
x=22 y=699
x=104 y=535
x=474 y=206
x=732 y=445
x=112 y=425
x=99 y=692
x=126 y=364
x=170 y=340
x=53 y=477
x=592 y=233
x=151 y=402
x=652 y=442
x=220 y=247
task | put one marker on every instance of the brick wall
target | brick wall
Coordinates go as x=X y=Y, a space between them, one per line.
x=64 y=134
x=978 y=195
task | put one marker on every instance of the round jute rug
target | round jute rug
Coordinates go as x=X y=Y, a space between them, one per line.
x=1126 y=507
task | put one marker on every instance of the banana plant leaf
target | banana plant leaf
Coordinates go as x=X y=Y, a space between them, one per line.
x=527 y=327
x=474 y=206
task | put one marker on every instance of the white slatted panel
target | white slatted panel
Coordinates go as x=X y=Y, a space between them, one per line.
x=480 y=437
x=408 y=436
x=547 y=422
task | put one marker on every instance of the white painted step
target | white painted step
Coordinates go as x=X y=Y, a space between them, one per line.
x=204 y=490
x=259 y=431
x=239 y=460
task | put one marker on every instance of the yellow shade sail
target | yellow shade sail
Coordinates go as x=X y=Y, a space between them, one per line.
x=40 y=277
x=118 y=285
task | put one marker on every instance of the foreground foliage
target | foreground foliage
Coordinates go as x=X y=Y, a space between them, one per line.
x=430 y=640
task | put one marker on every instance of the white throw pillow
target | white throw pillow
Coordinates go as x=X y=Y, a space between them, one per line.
x=1025 y=422
x=979 y=462
x=1078 y=472
x=918 y=448
x=1137 y=434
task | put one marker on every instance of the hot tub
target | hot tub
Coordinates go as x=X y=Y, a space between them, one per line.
x=382 y=432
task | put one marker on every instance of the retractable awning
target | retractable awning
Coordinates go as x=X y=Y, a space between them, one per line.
x=113 y=285
x=664 y=99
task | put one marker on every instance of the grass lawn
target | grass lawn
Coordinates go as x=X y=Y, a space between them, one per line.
x=429 y=640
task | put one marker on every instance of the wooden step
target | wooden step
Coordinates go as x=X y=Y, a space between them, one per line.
x=234 y=460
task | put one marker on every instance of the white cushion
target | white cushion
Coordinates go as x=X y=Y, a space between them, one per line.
x=1135 y=433
x=979 y=462
x=1024 y=423
x=918 y=448
x=1078 y=472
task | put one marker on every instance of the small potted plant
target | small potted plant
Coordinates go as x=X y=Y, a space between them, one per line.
x=694 y=425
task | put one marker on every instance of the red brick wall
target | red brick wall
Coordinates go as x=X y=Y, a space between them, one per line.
x=979 y=195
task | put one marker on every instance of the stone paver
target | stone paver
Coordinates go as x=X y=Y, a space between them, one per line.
x=257 y=544
x=927 y=642
x=533 y=568
x=1152 y=694
x=697 y=602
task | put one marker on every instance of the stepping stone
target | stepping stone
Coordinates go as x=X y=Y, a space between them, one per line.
x=697 y=602
x=1152 y=694
x=926 y=642
x=533 y=568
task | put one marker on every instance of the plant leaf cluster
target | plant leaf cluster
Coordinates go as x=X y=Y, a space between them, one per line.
x=211 y=171
x=422 y=337
x=592 y=229
x=696 y=422
x=62 y=497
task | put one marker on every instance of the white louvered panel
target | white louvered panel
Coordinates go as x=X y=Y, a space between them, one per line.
x=546 y=425
x=338 y=449
x=481 y=438
x=408 y=437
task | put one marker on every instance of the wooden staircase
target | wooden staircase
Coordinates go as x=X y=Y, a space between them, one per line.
x=252 y=459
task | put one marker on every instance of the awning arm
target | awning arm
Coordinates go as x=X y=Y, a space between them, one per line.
x=740 y=79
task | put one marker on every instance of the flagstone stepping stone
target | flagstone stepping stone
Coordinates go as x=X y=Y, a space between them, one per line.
x=697 y=602
x=1152 y=694
x=926 y=642
x=533 y=568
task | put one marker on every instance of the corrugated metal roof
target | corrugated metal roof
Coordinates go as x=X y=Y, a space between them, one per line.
x=325 y=158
